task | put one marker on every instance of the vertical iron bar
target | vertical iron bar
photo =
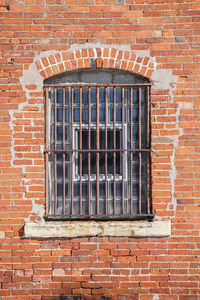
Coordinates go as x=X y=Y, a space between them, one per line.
x=131 y=146
x=55 y=142
x=148 y=152
x=123 y=151
x=106 y=152
x=89 y=146
x=140 y=154
x=97 y=153
x=63 y=151
x=46 y=146
x=114 y=153
x=72 y=148
x=80 y=153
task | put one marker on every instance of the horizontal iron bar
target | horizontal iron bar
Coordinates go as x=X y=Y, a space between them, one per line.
x=96 y=85
x=100 y=218
x=98 y=150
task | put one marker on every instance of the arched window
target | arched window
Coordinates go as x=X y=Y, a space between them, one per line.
x=97 y=145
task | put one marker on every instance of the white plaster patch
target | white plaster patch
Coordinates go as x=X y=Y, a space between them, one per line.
x=2 y=234
x=67 y=229
x=163 y=80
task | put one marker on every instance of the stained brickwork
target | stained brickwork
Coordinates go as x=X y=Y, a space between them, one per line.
x=155 y=39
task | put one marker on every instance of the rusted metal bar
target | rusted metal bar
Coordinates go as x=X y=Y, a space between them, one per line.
x=46 y=146
x=148 y=153
x=131 y=146
x=140 y=154
x=96 y=85
x=63 y=124
x=101 y=217
x=55 y=153
x=97 y=153
x=80 y=153
x=72 y=149
x=123 y=152
x=89 y=145
x=114 y=153
x=99 y=150
x=106 y=153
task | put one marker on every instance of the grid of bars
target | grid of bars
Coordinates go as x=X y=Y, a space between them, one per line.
x=116 y=112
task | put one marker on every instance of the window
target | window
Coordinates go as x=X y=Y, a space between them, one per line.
x=97 y=150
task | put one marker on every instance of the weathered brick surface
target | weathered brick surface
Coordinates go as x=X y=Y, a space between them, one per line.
x=140 y=36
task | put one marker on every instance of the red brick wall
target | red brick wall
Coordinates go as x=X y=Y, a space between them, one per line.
x=101 y=268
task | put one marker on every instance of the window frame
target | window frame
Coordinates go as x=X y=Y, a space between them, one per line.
x=148 y=215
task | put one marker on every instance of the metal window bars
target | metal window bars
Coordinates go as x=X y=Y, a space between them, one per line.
x=97 y=151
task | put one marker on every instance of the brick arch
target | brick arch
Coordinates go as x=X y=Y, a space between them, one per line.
x=101 y=58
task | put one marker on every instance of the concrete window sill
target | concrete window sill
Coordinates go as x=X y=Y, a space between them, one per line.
x=69 y=229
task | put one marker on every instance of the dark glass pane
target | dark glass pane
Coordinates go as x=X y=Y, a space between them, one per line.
x=118 y=186
x=143 y=94
x=59 y=95
x=110 y=114
x=59 y=171
x=135 y=114
x=102 y=190
x=127 y=95
x=84 y=190
x=135 y=170
x=135 y=189
x=67 y=96
x=102 y=114
x=84 y=139
x=85 y=207
x=67 y=170
x=93 y=190
x=119 y=95
x=60 y=190
x=59 y=114
x=110 y=163
x=76 y=190
x=59 y=156
x=118 y=163
x=66 y=114
x=93 y=139
x=93 y=114
x=93 y=95
x=118 y=144
x=102 y=162
x=84 y=95
x=84 y=163
x=102 y=139
x=76 y=207
x=135 y=133
x=102 y=95
x=59 y=133
x=76 y=95
x=93 y=162
x=135 y=96
x=110 y=139
x=66 y=134
x=118 y=114
x=76 y=114
x=85 y=115
x=143 y=114
x=110 y=95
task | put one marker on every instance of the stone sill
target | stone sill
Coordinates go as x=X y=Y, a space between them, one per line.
x=69 y=229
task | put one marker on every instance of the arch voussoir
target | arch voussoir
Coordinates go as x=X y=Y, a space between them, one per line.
x=91 y=58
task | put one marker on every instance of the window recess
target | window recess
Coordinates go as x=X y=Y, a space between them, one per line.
x=97 y=151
